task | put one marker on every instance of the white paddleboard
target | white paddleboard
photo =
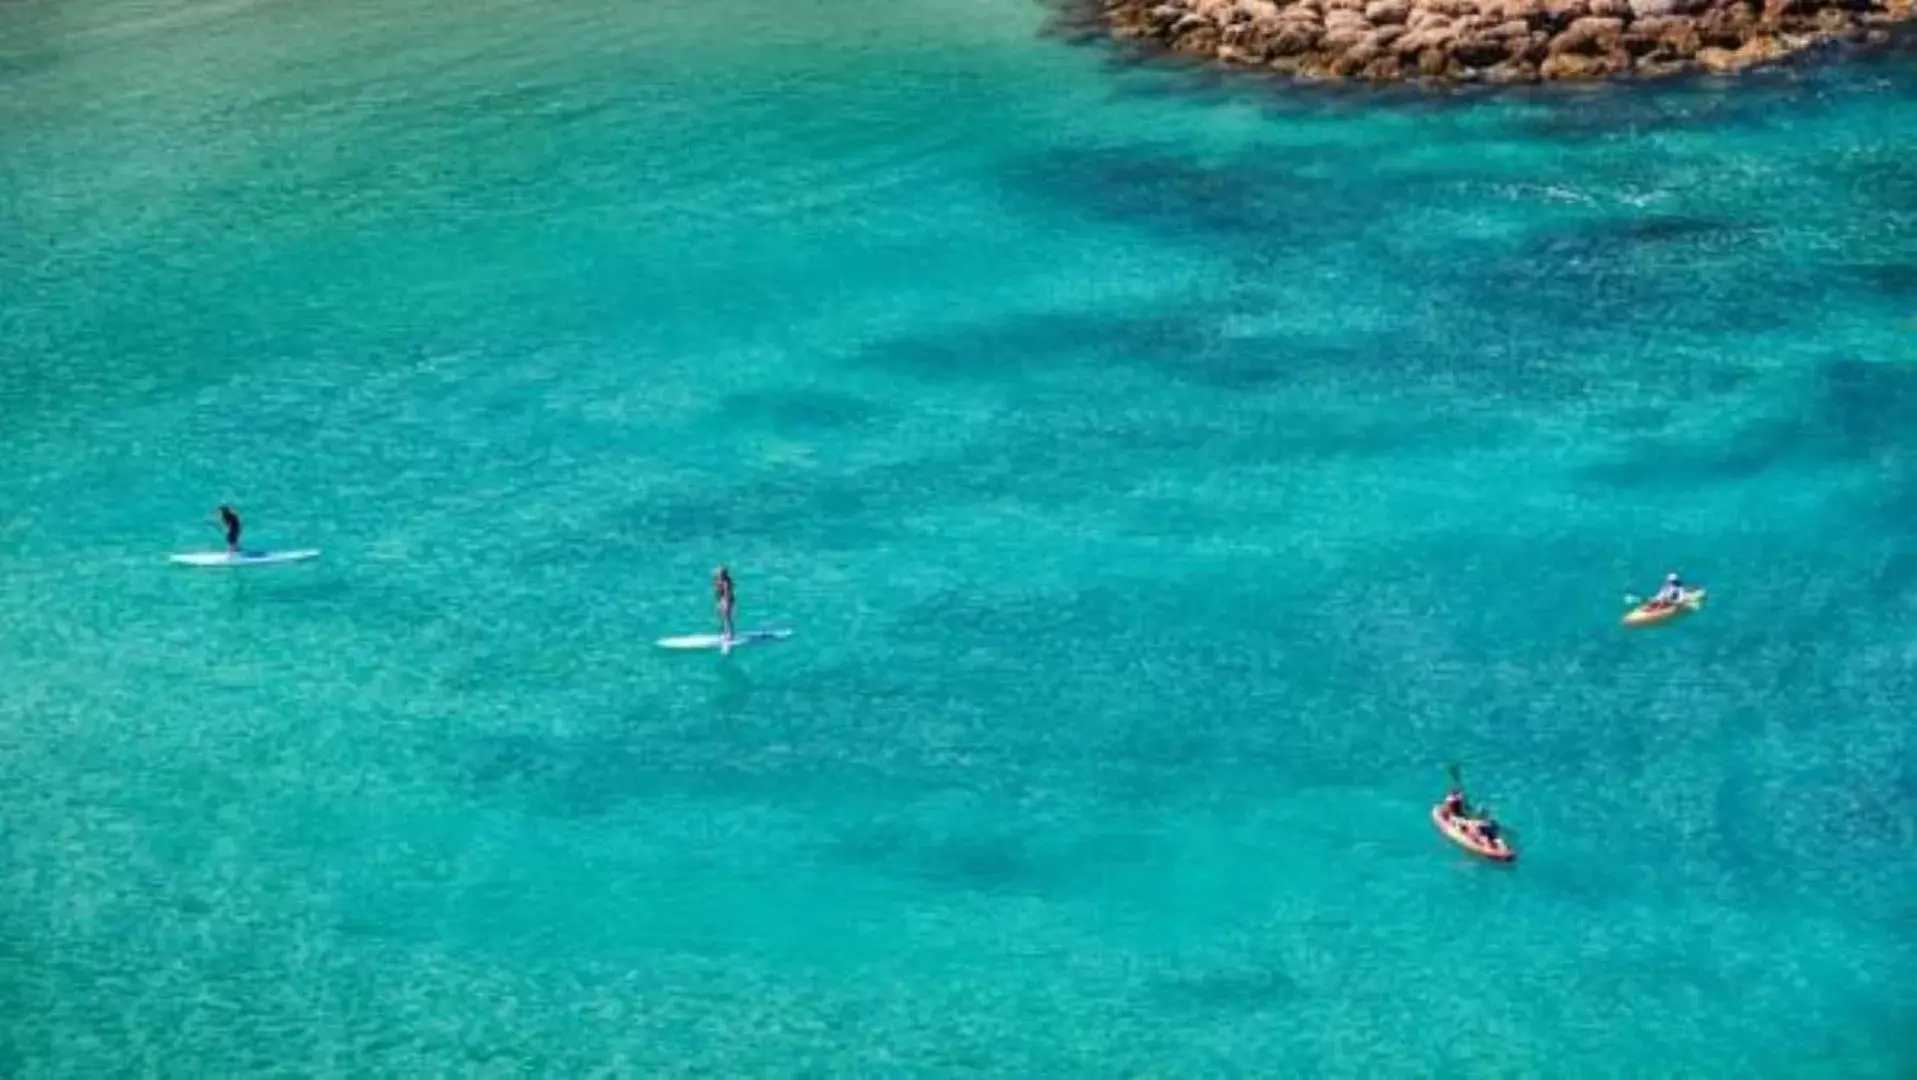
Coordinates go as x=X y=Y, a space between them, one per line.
x=243 y=558
x=717 y=641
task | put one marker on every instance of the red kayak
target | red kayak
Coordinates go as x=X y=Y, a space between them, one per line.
x=1464 y=833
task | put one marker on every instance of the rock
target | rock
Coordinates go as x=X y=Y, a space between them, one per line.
x=1510 y=73
x=1726 y=27
x=1836 y=23
x=1761 y=49
x=1247 y=43
x=1588 y=36
x=1293 y=39
x=1259 y=11
x=1562 y=13
x=1572 y=67
x=1201 y=40
x=1511 y=10
x=1678 y=36
x=1372 y=46
x=1481 y=52
x=1166 y=14
x=1425 y=38
x=1387 y=12
x=1343 y=66
x=1433 y=62
x=1657 y=69
x=1189 y=22
x=1652 y=9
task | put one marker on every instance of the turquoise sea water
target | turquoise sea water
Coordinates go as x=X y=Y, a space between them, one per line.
x=1164 y=481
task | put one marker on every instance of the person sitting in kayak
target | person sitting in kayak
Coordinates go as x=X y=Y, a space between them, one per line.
x=1487 y=830
x=1454 y=805
x=722 y=593
x=231 y=522
x=1670 y=594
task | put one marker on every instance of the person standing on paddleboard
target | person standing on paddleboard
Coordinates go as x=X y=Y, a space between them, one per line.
x=231 y=522
x=722 y=593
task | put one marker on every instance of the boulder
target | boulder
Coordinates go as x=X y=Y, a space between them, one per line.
x=1481 y=52
x=1438 y=36
x=1562 y=13
x=1216 y=12
x=1387 y=12
x=1341 y=39
x=1588 y=36
x=1717 y=60
x=1678 y=36
x=1201 y=40
x=1573 y=67
x=1343 y=66
x=1188 y=23
x=1293 y=39
x=1658 y=69
x=1383 y=69
x=1163 y=16
x=1725 y=27
x=1761 y=49
x=1836 y=23
x=1433 y=63
x=1510 y=73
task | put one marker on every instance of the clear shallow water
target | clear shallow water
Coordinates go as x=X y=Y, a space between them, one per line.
x=1164 y=481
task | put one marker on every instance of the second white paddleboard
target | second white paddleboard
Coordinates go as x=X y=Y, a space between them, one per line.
x=243 y=558
x=718 y=641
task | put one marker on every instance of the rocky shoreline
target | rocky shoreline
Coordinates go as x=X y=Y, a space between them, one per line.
x=1500 y=41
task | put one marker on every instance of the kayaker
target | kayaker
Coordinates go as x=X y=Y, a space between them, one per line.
x=1454 y=804
x=1488 y=829
x=1670 y=594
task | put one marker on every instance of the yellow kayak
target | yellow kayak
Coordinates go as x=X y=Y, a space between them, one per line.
x=1651 y=613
